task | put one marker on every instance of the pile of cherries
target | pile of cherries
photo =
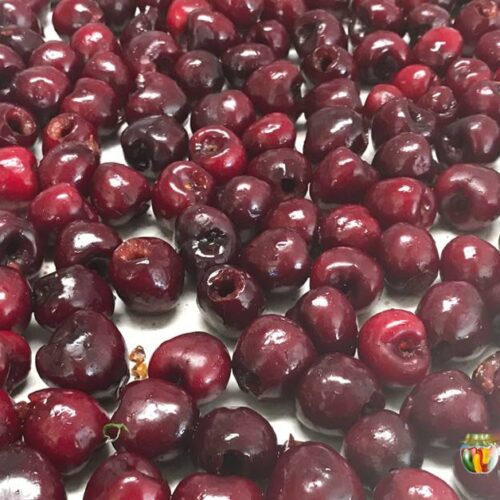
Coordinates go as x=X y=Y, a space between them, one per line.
x=234 y=194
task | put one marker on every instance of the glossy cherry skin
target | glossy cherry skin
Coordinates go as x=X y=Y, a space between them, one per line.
x=424 y=17
x=10 y=64
x=463 y=72
x=468 y=196
x=60 y=56
x=159 y=417
x=327 y=62
x=409 y=257
x=17 y=13
x=271 y=33
x=352 y=272
x=488 y=48
x=491 y=298
x=441 y=101
x=336 y=92
x=65 y=415
x=243 y=13
x=313 y=471
x=393 y=344
x=378 y=96
x=328 y=319
x=96 y=101
x=469 y=258
x=456 y=321
x=380 y=55
x=22 y=40
x=201 y=485
x=242 y=60
x=59 y=294
x=276 y=88
x=70 y=15
x=28 y=474
x=405 y=155
x=476 y=18
x=481 y=97
x=298 y=214
x=349 y=226
x=331 y=128
x=88 y=243
x=117 y=207
x=18 y=179
x=148 y=275
x=234 y=441
x=229 y=299
x=287 y=170
x=93 y=38
x=205 y=237
x=272 y=131
x=17 y=126
x=444 y=407
x=10 y=430
x=413 y=484
x=335 y=392
x=69 y=127
x=117 y=12
x=219 y=151
x=401 y=115
x=21 y=245
x=474 y=138
x=485 y=377
x=401 y=199
x=199 y=73
x=151 y=51
x=71 y=163
x=156 y=94
x=285 y=11
x=317 y=27
x=108 y=478
x=180 y=185
x=438 y=47
x=270 y=356
x=379 y=443
x=206 y=378
x=177 y=16
x=15 y=300
x=15 y=360
x=342 y=177
x=86 y=352
x=278 y=259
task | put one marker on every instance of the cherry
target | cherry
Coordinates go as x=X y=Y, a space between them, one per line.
x=15 y=360
x=336 y=92
x=424 y=17
x=155 y=418
x=349 y=226
x=414 y=80
x=148 y=275
x=271 y=33
x=234 y=441
x=441 y=101
x=92 y=38
x=17 y=13
x=488 y=47
x=444 y=407
x=69 y=15
x=117 y=12
x=35 y=476
x=60 y=56
x=379 y=443
x=65 y=415
x=21 y=245
x=204 y=380
x=22 y=40
x=10 y=64
x=352 y=272
x=327 y=62
x=328 y=318
x=438 y=47
x=475 y=19
x=485 y=377
x=378 y=96
x=17 y=125
x=243 y=13
x=229 y=299
x=86 y=352
x=335 y=392
x=15 y=300
x=463 y=72
x=393 y=344
x=284 y=11
x=278 y=259
x=178 y=12
x=270 y=356
x=11 y=428
x=313 y=470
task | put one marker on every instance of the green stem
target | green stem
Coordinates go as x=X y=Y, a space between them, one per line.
x=118 y=428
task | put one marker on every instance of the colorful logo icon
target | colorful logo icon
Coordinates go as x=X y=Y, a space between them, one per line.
x=479 y=453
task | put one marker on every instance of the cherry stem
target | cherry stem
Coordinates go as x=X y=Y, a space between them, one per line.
x=118 y=428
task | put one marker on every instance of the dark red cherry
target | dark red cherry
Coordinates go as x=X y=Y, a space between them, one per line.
x=444 y=407
x=441 y=101
x=69 y=15
x=21 y=245
x=86 y=352
x=438 y=47
x=148 y=275
x=424 y=17
x=11 y=428
x=10 y=64
x=66 y=415
x=60 y=56
x=485 y=377
x=15 y=360
x=456 y=320
x=327 y=62
x=59 y=294
x=204 y=380
x=377 y=97
x=234 y=441
x=328 y=318
x=243 y=13
x=352 y=272
x=17 y=13
x=271 y=33
x=93 y=38
x=15 y=300
x=488 y=48
x=475 y=18
x=285 y=11
x=229 y=299
x=22 y=40
x=117 y=13
x=35 y=476
x=270 y=356
x=463 y=72
x=159 y=418
x=17 y=125
x=335 y=392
